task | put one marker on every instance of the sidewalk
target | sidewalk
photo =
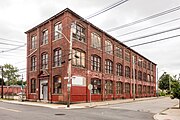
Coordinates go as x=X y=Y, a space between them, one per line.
x=78 y=105
x=172 y=113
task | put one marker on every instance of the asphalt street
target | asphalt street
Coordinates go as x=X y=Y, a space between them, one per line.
x=142 y=110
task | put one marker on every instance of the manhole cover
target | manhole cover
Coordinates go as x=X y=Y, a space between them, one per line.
x=59 y=114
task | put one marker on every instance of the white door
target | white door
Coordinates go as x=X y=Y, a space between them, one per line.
x=45 y=92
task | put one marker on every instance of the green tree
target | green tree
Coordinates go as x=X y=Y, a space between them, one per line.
x=164 y=81
x=176 y=90
x=10 y=74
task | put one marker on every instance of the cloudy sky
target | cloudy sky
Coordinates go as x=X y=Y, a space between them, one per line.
x=17 y=16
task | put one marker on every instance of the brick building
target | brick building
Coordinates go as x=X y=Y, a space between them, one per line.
x=97 y=59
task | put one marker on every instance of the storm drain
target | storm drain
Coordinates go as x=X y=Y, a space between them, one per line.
x=59 y=114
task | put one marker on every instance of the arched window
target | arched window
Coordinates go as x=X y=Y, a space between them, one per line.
x=109 y=66
x=79 y=33
x=96 y=84
x=108 y=47
x=119 y=87
x=57 y=30
x=33 y=85
x=108 y=87
x=139 y=75
x=78 y=58
x=44 y=37
x=95 y=41
x=57 y=57
x=95 y=63
x=57 y=85
x=127 y=71
x=33 y=41
x=33 y=63
x=44 y=61
x=119 y=69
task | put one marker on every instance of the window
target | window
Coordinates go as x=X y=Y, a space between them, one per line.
x=119 y=52
x=108 y=47
x=95 y=41
x=33 y=63
x=96 y=86
x=149 y=66
x=79 y=33
x=135 y=73
x=148 y=90
x=33 y=85
x=57 y=85
x=78 y=58
x=127 y=72
x=144 y=89
x=127 y=56
x=45 y=37
x=139 y=75
x=57 y=57
x=108 y=87
x=119 y=87
x=144 y=64
x=148 y=78
x=139 y=89
x=127 y=88
x=44 y=61
x=119 y=70
x=95 y=63
x=33 y=41
x=152 y=79
x=140 y=63
x=108 y=66
x=57 y=27
x=144 y=76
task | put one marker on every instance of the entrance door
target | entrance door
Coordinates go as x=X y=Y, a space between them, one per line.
x=45 y=92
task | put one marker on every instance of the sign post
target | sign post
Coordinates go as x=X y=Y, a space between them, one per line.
x=90 y=88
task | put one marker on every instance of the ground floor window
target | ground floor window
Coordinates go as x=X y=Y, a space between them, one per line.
x=144 y=89
x=119 y=87
x=108 y=87
x=57 y=86
x=127 y=88
x=148 y=89
x=33 y=85
x=139 y=89
x=96 y=86
x=152 y=90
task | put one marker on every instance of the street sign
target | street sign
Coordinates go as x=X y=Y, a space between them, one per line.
x=90 y=87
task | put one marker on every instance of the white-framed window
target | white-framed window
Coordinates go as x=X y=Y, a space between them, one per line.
x=108 y=47
x=57 y=27
x=33 y=41
x=45 y=37
x=95 y=41
x=78 y=58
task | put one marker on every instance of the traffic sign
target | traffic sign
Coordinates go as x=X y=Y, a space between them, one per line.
x=90 y=87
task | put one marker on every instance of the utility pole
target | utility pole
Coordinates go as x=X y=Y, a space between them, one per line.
x=2 y=82
x=22 y=88
x=69 y=65
x=133 y=77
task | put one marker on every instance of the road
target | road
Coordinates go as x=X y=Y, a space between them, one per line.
x=141 y=110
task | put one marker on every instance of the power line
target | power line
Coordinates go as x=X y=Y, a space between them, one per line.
x=107 y=8
x=155 y=41
x=2 y=43
x=141 y=37
x=145 y=19
x=148 y=27
x=11 y=40
x=12 y=49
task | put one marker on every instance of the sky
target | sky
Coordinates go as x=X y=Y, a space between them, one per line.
x=18 y=16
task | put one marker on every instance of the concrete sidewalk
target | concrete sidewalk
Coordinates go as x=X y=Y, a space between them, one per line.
x=78 y=105
x=172 y=113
